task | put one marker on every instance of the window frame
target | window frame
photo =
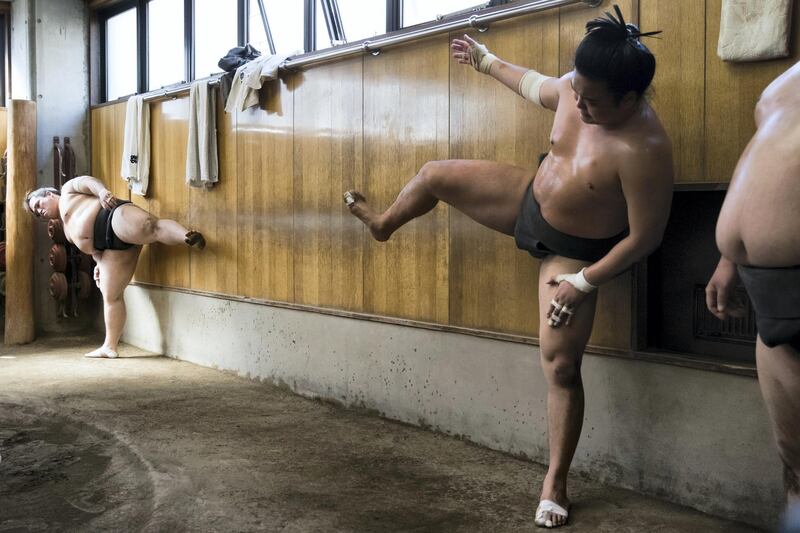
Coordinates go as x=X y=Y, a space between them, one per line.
x=103 y=17
x=330 y=11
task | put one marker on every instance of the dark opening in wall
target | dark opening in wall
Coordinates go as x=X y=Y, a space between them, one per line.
x=677 y=274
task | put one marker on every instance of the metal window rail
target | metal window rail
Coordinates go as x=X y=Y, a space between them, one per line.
x=375 y=46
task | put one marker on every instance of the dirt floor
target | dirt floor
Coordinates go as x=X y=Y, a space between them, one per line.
x=147 y=443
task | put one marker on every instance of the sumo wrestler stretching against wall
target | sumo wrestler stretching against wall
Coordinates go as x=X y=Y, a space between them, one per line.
x=112 y=232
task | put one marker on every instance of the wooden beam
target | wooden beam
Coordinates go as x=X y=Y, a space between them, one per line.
x=19 y=224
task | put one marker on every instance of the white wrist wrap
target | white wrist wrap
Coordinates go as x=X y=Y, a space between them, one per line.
x=486 y=63
x=530 y=85
x=577 y=280
x=482 y=59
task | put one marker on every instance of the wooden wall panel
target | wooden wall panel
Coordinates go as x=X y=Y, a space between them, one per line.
x=108 y=128
x=213 y=212
x=293 y=239
x=678 y=87
x=328 y=240
x=493 y=285
x=168 y=194
x=406 y=125
x=265 y=195
x=732 y=90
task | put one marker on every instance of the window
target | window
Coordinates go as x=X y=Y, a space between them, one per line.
x=256 y=23
x=120 y=58
x=286 y=23
x=418 y=11
x=215 y=32
x=165 y=47
x=323 y=38
x=362 y=20
x=149 y=44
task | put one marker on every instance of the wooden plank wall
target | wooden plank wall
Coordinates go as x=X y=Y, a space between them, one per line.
x=276 y=225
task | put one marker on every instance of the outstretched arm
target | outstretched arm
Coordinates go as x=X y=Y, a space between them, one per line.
x=526 y=82
x=91 y=186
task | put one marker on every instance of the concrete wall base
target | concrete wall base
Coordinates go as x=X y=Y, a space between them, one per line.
x=693 y=437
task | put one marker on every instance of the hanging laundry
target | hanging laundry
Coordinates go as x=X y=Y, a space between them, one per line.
x=202 y=165
x=135 y=168
x=248 y=80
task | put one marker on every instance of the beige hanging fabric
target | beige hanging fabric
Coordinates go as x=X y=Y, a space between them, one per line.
x=202 y=165
x=754 y=30
x=135 y=165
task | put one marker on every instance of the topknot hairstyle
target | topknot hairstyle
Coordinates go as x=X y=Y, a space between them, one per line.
x=612 y=52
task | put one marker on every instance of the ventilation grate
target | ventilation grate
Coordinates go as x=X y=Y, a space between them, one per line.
x=735 y=329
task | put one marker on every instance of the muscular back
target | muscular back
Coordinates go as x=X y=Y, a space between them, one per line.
x=760 y=220
x=78 y=211
x=578 y=185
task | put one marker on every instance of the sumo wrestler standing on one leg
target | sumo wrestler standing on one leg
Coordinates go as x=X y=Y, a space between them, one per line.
x=598 y=203
x=758 y=234
x=112 y=232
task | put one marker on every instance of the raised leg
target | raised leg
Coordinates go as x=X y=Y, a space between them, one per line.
x=779 y=378
x=561 y=355
x=116 y=268
x=490 y=193
x=136 y=226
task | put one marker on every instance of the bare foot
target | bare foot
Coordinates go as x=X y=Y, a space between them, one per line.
x=195 y=238
x=102 y=352
x=358 y=206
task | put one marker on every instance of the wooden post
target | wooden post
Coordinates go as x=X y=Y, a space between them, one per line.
x=19 y=223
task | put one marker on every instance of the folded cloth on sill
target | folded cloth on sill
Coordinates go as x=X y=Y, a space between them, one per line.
x=135 y=168
x=754 y=30
x=248 y=80
x=202 y=165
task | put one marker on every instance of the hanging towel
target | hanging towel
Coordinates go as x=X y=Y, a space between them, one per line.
x=248 y=80
x=201 y=149
x=135 y=167
x=754 y=30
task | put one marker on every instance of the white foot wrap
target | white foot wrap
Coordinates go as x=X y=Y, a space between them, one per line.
x=548 y=506
x=102 y=352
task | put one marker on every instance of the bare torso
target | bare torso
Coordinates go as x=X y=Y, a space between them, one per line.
x=78 y=211
x=760 y=220
x=578 y=184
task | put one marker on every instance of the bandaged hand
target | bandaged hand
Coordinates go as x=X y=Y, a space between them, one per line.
x=470 y=51
x=576 y=280
x=567 y=298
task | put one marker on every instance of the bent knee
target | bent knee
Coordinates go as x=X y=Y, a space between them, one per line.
x=562 y=371
x=434 y=174
x=149 y=226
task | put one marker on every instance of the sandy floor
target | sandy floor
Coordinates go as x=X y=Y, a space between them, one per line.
x=150 y=443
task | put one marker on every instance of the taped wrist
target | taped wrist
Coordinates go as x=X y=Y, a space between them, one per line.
x=482 y=59
x=577 y=280
x=531 y=84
